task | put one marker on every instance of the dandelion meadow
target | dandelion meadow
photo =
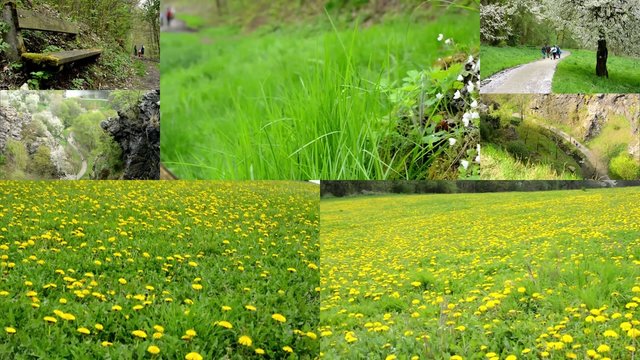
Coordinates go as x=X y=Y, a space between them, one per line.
x=537 y=275
x=159 y=270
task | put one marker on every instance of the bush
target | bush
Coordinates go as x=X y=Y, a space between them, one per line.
x=624 y=167
x=518 y=149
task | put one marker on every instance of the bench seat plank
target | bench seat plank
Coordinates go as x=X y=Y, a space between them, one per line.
x=60 y=57
x=33 y=21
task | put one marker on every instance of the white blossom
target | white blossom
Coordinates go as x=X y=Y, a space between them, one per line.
x=464 y=163
x=452 y=141
x=440 y=37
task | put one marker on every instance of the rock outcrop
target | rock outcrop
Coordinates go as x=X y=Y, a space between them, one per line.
x=14 y=124
x=139 y=138
x=11 y=124
x=590 y=113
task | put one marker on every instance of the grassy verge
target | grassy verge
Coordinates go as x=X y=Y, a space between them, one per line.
x=224 y=269
x=498 y=164
x=297 y=103
x=495 y=59
x=577 y=74
x=480 y=276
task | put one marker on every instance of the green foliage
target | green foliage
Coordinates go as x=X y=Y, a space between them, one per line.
x=37 y=78
x=125 y=101
x=87 y=131
x=3 y=29
x=518 y=149
x=41 y=164
x=78 y=83
x=624 y=167
x=67 y=110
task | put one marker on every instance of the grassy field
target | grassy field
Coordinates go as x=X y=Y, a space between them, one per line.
x=495 y=59
x=576 y=74
x=481 y=276
x=121 y=270
x=298 y=102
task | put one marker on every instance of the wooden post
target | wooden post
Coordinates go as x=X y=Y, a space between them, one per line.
x=12 y=37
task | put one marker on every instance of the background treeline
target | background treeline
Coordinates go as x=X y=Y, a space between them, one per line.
x=366 y=187
x=251 y=14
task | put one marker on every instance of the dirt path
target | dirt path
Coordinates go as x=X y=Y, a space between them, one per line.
x=151 y=80
x=531 y=78
x=598 y=168
x=83 y=167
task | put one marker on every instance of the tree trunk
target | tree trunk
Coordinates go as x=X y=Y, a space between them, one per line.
x=601 y=61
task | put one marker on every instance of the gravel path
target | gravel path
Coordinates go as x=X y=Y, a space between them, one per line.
x=531 y=78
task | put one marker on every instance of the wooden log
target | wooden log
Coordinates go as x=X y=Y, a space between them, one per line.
x=34 y=21
x=61 y=57
x=12 y=36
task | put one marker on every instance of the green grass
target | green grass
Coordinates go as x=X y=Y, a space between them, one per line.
x=192 y=21
x=298 y=103
x=433 y=276
x=497 y=164
x=84 y=247
x=577 y=74
x=613 y=139
x=495 y=59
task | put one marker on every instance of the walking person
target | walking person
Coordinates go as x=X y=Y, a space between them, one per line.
x=170 y=14
x=135 y=50
x=544 y=51
x=142 y=51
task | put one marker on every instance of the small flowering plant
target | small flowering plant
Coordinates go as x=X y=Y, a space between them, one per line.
x=433 y=130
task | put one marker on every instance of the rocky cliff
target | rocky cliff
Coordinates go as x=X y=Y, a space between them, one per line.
x=589 y=113
x=20 y=126
x=139 y=138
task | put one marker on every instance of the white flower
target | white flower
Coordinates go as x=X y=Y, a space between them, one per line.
x=475 y=115
x=464 y=163
x=440 y=37
x=474 y=104
x=470 y=86
x=452 y=141
x=457 y=95
x=477 y=159
x=465 y=119
x=448 y=41
x=470 y=59
x=478 y=148
x=460 y=78
x=439 y=96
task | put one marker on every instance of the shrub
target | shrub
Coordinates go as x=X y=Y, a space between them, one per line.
x=624 y=167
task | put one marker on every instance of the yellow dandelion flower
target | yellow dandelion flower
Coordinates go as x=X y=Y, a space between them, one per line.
x=259 y=351
x=157 y=335
x=106 y=343
x=158 y=328
x=196 y=286
x=610 y=333
x=84 y=330
x=245 y=340
x=225 y=324
x=153 y=350
x=10 y=330
x=122 y=281
x=116 y=308
x=226 y=308
x=633 y=333
x=193 y=356
x=279 y=318
x=50 y=319
x=287 y=349
x=139 y=333
x=249 y=307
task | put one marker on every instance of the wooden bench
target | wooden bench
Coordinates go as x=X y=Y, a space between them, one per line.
x=19 y=19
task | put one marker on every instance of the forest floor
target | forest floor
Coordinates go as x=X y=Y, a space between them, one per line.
x=532 y=78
